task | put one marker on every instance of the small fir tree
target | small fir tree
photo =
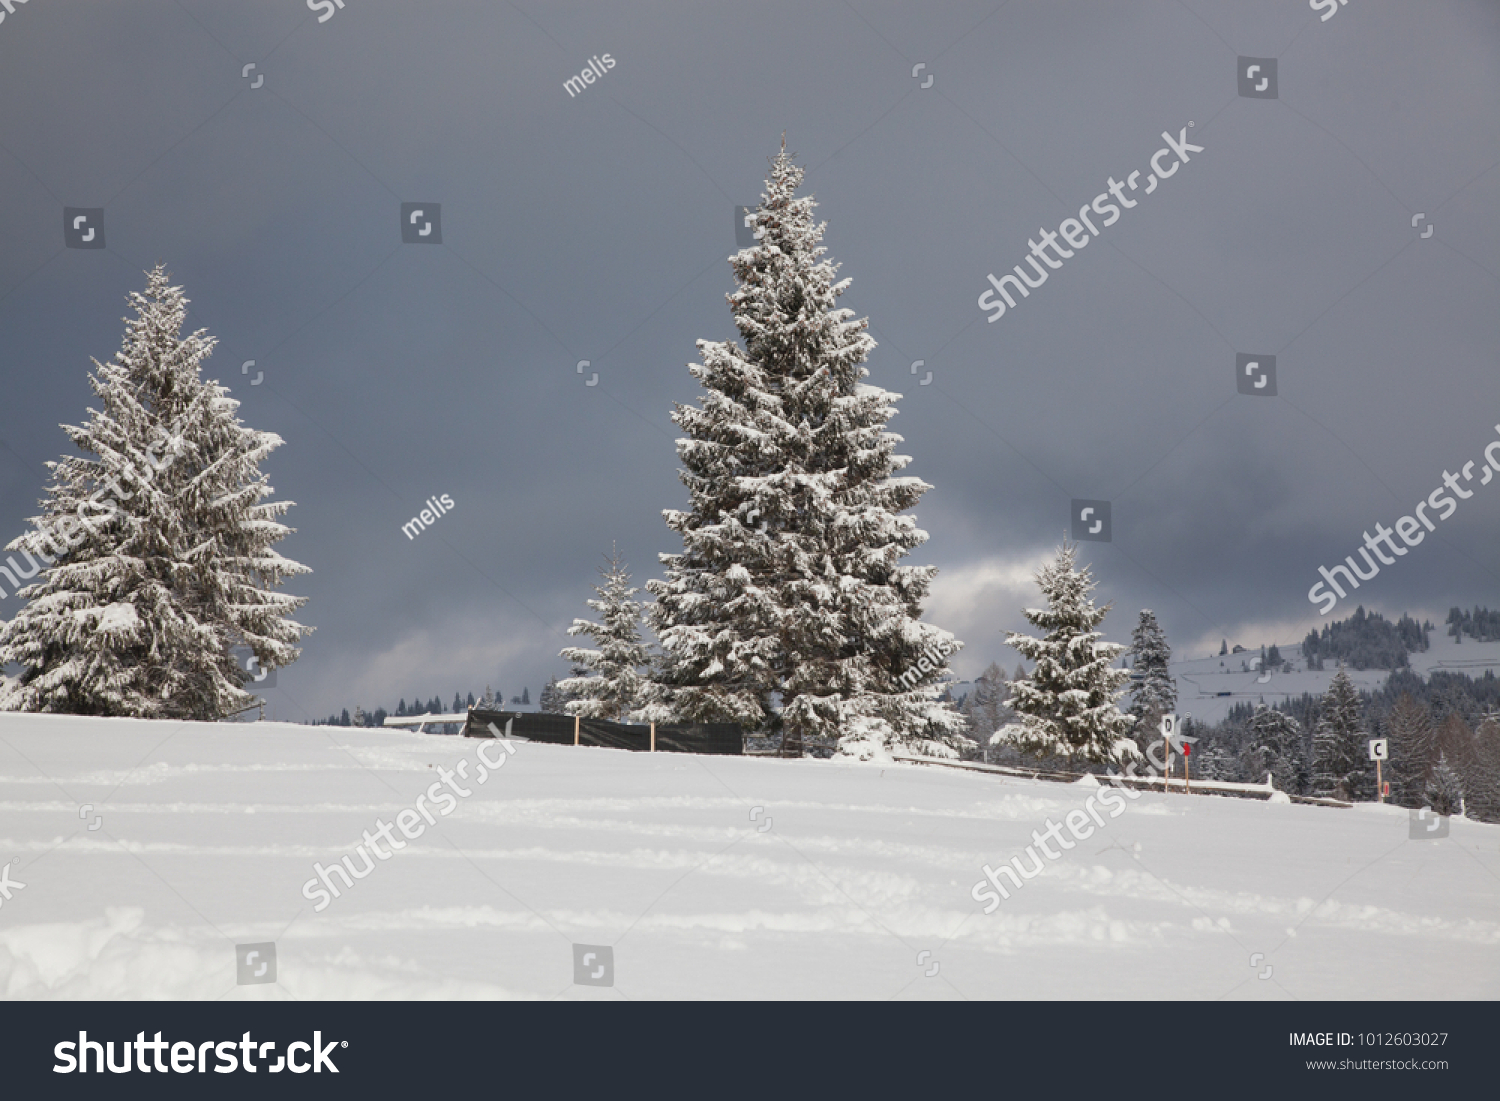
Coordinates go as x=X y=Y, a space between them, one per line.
x=1412 y=744
x=985 y=708
x=1338 y=744
x=552 y=700
x=1068 y=705
x=614 y=686
x=1277 y=746
x=1445 y=791
x=1153 y=693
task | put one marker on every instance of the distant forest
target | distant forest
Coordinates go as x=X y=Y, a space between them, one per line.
x=1367 y=640
x=1480 y=624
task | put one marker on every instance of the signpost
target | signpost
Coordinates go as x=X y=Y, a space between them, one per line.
x=1169 y=733
x=1187 y=772
x=1380 y=750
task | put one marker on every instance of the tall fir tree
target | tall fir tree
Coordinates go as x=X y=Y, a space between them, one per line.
x=615 y=685
x=1068 y=705
x=1338 y=744
x=1153 y=692
x=149 y=589
x=789 y=588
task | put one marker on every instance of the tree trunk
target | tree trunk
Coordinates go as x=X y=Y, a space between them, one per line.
x=791 y=741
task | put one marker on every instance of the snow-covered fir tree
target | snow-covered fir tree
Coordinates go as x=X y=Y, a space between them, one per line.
x=1339 y=743
x=159 y=542
x=360 y=718
x=614 y=686
x=1153 y=693
x=788 y=610
x=1068 y=704
x=1276 y=745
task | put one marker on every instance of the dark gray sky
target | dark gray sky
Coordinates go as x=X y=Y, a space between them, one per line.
x=598 y=227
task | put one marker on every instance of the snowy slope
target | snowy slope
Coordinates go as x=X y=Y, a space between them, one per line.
x=833 y=889
x=1207 y=687
x=1203 y=682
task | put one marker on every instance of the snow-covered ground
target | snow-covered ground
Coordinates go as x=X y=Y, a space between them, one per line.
x=834 y=888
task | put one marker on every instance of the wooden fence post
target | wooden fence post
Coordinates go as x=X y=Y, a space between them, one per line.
x=575 y=729
x=653 y=735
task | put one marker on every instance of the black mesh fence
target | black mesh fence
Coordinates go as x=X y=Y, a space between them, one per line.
x=725 y=738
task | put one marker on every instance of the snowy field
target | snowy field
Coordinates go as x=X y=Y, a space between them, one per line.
x=205 y=834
